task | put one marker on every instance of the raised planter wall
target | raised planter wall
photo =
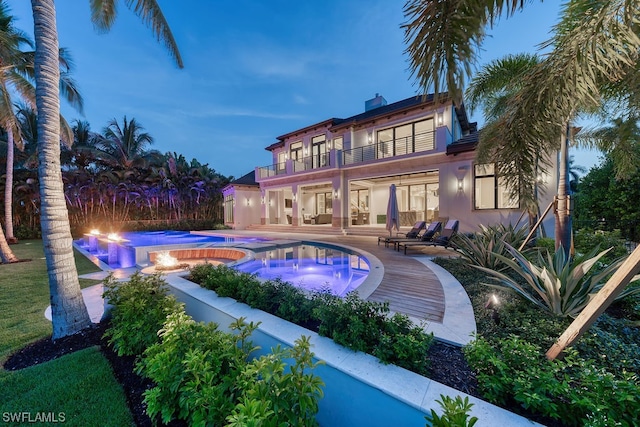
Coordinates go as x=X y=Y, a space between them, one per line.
x=359 y=390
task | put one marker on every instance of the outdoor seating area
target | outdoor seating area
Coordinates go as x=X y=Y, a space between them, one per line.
x=443 y=239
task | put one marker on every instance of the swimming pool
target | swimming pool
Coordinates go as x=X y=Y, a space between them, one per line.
x=312 y=267
x=308 y=265
x=131 y=248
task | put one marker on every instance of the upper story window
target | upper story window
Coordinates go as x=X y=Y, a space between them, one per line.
x=282 y=159
x=319 y=151
x=491 y=191
x=404 y=139
x=295 y=151
x=338 y=143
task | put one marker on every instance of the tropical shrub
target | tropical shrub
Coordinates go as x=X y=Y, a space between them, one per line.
x=546 y=243
x=367 y=326
x=560 y=284
x=270 y=396
x=357 y=324
x=194 y=368
x=584 y=240
x=455 y=413
x=140 y=308
x=482 y=246
x=572 y=390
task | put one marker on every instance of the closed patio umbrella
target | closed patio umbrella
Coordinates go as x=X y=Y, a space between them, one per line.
x=393 y=215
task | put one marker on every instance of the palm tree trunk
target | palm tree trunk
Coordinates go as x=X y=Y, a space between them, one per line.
x=563 y=208
x=6 y=254
x=68 y=311
x=8 y=190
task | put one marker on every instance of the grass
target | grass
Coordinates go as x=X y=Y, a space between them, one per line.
x=25 y=296
x=80 y=385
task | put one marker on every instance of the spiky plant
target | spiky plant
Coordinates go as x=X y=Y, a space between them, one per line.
x=481 y=248
x=556 y=283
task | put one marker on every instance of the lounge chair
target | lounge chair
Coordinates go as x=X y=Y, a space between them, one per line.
x=428 y=235
x=411 y=234
x=444 y=239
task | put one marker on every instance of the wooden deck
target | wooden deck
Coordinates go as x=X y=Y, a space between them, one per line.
x=408 y=285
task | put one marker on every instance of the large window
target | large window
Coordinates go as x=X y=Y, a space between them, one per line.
x=318 y=151
x=228 y=208
x=324 y=203
x=282 y=161
x=295 y=151
x=405 y=139
x=338 y=142
x=491 y=191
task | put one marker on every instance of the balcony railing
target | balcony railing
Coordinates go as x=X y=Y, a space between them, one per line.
x=273 y=170
x=381 y=150
x=312 y=162
x=386 y=149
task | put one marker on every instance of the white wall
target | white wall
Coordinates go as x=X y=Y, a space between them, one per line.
x=247 y=208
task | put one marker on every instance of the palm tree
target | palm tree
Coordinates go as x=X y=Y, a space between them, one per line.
x=68 y=311
x=11 y=40
x=85 y=152
x=16 y=76
x=593 y=51
x=126 y=146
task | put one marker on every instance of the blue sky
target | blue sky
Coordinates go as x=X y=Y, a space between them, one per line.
x=254 y=69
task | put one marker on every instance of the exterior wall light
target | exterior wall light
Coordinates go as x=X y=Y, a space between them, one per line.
x=294 y=197
x=370 y=138
x=248 y=202
x=460 y=184
x=262 y=200
x=440 y=119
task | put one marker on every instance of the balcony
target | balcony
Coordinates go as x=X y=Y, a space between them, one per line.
x=387 y=149
x=273 y=170
x=337 y=158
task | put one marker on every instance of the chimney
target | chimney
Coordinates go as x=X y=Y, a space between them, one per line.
x=376 y=102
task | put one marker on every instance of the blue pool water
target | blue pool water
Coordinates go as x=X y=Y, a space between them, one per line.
x=311 y=267
x=127 y=252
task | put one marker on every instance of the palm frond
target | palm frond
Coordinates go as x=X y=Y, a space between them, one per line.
x=151 y=14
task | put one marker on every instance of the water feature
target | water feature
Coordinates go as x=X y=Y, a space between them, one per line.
x=311 y=266
x=129 y=249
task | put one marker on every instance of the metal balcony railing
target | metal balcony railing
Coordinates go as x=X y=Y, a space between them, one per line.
x=393 y=148
x=312 y=162
x=273 y=170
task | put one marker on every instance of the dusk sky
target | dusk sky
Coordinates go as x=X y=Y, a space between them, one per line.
x=254 y=70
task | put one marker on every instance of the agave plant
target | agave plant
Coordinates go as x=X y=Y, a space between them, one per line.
x=559 y=284
x=481 y=248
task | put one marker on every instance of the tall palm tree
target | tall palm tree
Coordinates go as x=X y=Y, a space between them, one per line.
x=16 y=77
x=126 y=146
x=68 y=311
x=593 y=49
x=11 y=41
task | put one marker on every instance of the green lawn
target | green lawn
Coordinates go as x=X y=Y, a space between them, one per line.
x=80 y=385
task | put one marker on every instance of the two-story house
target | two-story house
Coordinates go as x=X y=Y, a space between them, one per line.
x=337 y=173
